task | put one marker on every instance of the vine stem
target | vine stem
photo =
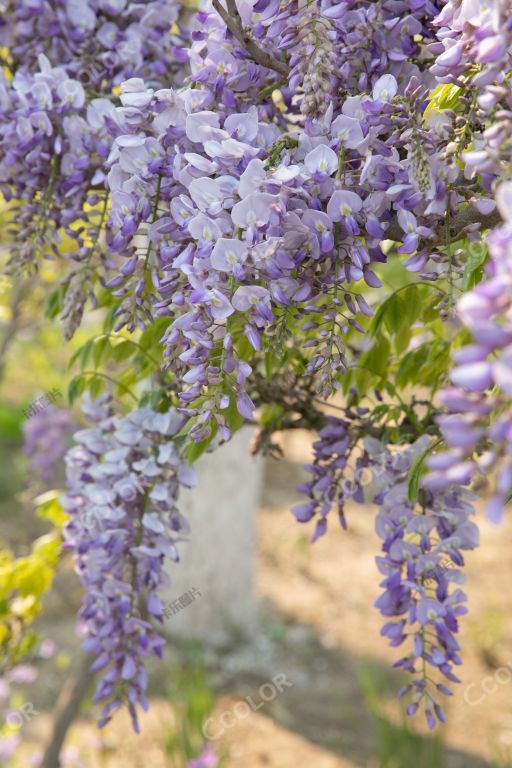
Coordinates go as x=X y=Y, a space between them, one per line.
x=232 y=19
x=19 y=293
x=130 y=341
x=153 y=219
x=108 y=378
x=450 y=253
x=457 y=225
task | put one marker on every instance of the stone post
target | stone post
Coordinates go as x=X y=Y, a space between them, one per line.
x=212 y=592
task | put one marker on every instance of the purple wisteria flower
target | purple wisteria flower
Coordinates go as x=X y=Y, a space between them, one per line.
x=101 y=42
x=123 y=481
x=422 y=548
x=330 y=487
x=47 y=436
x=480 y=401
x=243 y=219
x=238 y=208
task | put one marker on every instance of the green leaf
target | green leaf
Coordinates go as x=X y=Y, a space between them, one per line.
x=433 y=372
x=122 y=349
x=417 y=471
x=85 y=353
x=96 y=386
x=403 y=338
x=395 y=311
x=431 y=311
x=378 y=319
x=474 y=269
x=376 y=360
x=55 y=302
x=72 y=391
x=76 y=388
x=413 y=298
x=244 y=348
x=410 y=365
x=399 y=312
x=100 y=344
x=444 y=97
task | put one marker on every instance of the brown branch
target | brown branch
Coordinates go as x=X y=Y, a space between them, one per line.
x=232 y=20
x=19 y=293
x=467 y=217
x=68 y=709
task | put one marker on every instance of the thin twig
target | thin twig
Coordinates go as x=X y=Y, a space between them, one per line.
x=457 y=227
x=19 y=293
x=232 y=20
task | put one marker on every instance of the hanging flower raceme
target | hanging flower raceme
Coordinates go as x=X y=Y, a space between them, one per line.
x=478 y=429
x=338 y=49
x=99 y=42
x=65 y=61
x=123 y=481
x=422 y=548
x=475 y=47
x=51 y=140
x=330 y=484
x=474 y=34
x=46 y=438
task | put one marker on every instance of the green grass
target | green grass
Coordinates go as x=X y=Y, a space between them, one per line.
x=192 y=700
x=396 y=744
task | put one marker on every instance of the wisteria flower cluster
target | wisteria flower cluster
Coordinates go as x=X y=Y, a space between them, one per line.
x=478 y=429
x=240 y=221
x=423 y=541
x=339 y=49
x=47 y=436
x=330 y=484
x=242 y=188
x=124 y=477
x=423 y=545
x=49 y=140
x=98 y=42
x=57 y=120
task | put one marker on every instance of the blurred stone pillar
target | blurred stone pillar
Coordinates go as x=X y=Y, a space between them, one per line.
x=212 y=592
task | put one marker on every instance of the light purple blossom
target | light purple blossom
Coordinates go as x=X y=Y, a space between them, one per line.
x=120 y=541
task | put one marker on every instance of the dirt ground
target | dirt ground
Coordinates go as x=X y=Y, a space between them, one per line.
x=319 y=628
